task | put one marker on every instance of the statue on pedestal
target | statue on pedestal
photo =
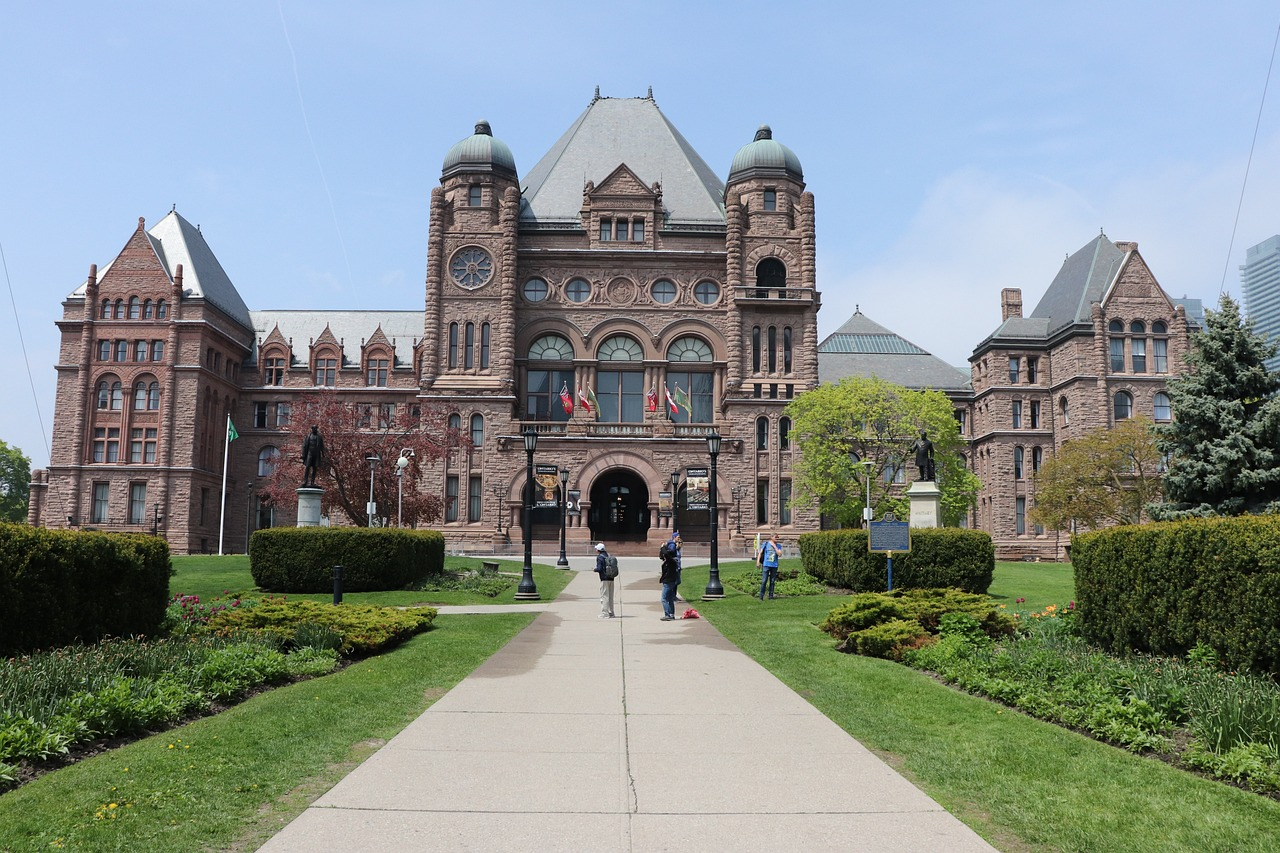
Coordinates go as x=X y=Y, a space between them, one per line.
x=923 y=449
x=312 y=456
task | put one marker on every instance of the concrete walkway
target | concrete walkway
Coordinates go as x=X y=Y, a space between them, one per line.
x=626 y=734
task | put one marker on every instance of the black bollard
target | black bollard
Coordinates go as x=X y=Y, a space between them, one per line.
x=337 y=584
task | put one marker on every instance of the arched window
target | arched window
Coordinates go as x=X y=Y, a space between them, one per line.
x=762 y=433
x=620 y=390
x=453 y=345
x=1116 y=344
x=689 y=349
x=755 y=349
x=771 y=346
x=157 y=351
x=770 y=273
x=268 y=458
x=1066 y=417
x=484 y=346
x=1124 y=405
x=377 y=367
x=477 y=430
x=1162 y=411
x=105 y=313
x=148 y=309
x=122 y=350
x=1017 y=463
x=455 y=421
x=1159 y=328
x=104 y=350
x=153 y=396
x=139 y=396
x=1138 y=327
x=162 y=309
x=1116 y=327
x=326 y=369
x=119 y=313
x=786 y=349
x=1037 y=457
x=784 y=433
x=1160 y=348
x=104 y=394
x=117 y=396
x=469 y=348
x=135 y=308
x=691 y=388
x=544 y=381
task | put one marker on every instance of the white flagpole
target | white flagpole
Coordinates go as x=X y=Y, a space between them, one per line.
x=222 y=514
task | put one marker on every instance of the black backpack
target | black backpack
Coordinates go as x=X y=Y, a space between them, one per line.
x=610 y=567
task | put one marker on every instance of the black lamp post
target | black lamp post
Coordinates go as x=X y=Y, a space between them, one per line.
x=528 y=590
x=675 y=502
x=714 y=588
x=563 y=562
x=155 y=519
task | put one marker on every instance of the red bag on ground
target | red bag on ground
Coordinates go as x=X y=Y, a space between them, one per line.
x=691 y=614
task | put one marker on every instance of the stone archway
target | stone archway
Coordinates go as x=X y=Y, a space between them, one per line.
x=619 y=507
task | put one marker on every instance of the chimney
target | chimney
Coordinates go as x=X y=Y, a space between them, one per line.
x=1010 y=303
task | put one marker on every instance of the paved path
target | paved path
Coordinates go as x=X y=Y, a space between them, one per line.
x=627 y=734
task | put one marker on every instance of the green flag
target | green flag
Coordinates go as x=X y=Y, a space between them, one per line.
x=232 y=435
x=682 y=399
x=595 y=404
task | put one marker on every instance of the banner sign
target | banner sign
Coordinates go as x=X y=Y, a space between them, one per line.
x=697 y=487
x=546 y=493
x=664 y=505
x=575 y=503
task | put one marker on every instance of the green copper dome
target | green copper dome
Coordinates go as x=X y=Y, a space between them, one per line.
x=480 y=152
x=765 y=158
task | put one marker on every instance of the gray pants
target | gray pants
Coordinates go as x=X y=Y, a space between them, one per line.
x=606 y=598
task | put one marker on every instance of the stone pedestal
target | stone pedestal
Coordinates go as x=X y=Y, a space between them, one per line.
x=926 y=504
x=309 y=506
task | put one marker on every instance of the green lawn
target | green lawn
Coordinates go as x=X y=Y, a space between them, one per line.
x=233 y=780
x=209 y=577
x=1038 y=583
x=1023 y=784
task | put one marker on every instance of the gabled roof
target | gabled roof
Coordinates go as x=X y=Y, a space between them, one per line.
x=862 y=347
x=610 y=132
x=176 y=241
x=402 y=328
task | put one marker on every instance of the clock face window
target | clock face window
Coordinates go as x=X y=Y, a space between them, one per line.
x=471 y=268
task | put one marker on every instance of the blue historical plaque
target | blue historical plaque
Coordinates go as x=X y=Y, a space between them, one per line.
x=891 y=536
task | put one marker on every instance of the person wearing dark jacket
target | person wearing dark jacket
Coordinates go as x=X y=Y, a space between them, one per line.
x=670 y=578
x=606 y=584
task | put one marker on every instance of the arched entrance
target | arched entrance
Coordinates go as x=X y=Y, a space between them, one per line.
x=619 y=507
x=694 y=524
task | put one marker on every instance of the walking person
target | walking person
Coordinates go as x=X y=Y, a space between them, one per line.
x=767 y=560
x=607 y=569
x=670 y=578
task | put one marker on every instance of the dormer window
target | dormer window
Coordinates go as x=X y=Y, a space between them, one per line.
x=770 y=199
x=621 y=230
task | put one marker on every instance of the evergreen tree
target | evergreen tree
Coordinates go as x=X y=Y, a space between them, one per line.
x=15 y=483
x=1224 y=446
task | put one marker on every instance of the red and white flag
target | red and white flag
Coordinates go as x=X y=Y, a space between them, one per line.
x=671 y=404
x=566 y=399
x=653 y=399
x=582 y=398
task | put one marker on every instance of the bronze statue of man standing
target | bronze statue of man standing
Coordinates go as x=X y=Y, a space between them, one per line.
x=924 y=457
x=312 y=456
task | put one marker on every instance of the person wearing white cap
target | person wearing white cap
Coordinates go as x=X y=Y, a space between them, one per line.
x=607 y=569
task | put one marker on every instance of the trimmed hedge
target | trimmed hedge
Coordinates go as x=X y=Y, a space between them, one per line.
x=939 y=557
x=63 y=586
x=301 y=559
x=1163 y=588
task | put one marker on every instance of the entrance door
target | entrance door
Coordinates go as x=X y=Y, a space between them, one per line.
x=619 y=507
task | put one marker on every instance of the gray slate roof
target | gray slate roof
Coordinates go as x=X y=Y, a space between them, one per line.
x=612 y=131
x=1082 y=281
x=177 y=241
x=862 y=347
x=402 y=328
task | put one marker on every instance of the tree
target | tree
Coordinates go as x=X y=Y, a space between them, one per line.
x=15 y=483
x=1107 y=477
x=1224 y=444
x=840 y=425
x=352 y=433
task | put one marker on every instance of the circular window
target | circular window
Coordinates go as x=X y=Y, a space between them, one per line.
x=664 y=292
x=471 y=268
x=706 y=292
x=535 y=290
x=577 y=290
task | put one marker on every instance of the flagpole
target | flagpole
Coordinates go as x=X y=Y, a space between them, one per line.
x=222 y=514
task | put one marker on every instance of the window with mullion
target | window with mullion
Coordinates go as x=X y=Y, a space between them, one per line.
x=699 y=388
x=621 y=396
x=542 y=394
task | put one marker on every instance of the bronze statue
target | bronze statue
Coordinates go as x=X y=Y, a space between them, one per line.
x=312 y=456
x=924 y=457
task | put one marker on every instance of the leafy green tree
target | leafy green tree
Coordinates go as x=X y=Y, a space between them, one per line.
x=838 y=426
x=1224 y=444
x=15 y=483
x=1106 y=477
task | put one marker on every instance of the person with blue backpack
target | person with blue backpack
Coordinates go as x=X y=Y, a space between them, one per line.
x=767 y=560
x=669 y=553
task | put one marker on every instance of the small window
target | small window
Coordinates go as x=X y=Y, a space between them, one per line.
x=104 y=350
x=484 y=346
x=1159 y=328
x=135 y=308
x=475 y=499
x=1116 y=327
x=469 y=346
x=1033 y=365
x=1020 y=516
x=606 y=230
x=377 y=373
x=455 y=421
x=451 y=498
x=1035 y=414
x=620 y=232
x=1123 y=405
x=119 y=309
x=784 y=433
x=770 y=199
x=122 y=350
x=1160 y=354
x=1066 y=416
x=637 y=230
x=274 y=372
x=157 y=350
x=477 y=430
x=755 y=349
x=1162 y=410
x=162 y=309
x=577 y=290
x=326 y=372
x=1013 y=370
x=1138 y=355
x=1138 y=327
x=268 y=458
x=1117 y=355
x=535 y=290
x=786 y=349
x=706 y=292
x=140 y=350
x=105 y=314
x=664 y=292
x=1017 y=414
x=762 y=433
x=474 y=195
x=1037 y=458
x=452 y=358
x=148 y=309
x=1017 y=463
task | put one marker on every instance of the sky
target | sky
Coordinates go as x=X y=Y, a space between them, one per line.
x=953 y=149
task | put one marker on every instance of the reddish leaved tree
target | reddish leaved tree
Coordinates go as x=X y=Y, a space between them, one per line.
x=352 y=433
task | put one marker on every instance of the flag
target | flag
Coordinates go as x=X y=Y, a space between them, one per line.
x=591 y=395
x=566 y=399
x=232 y=435
x=671 y=404
x=683 y=399
x=653 y=399
x=582 y=398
